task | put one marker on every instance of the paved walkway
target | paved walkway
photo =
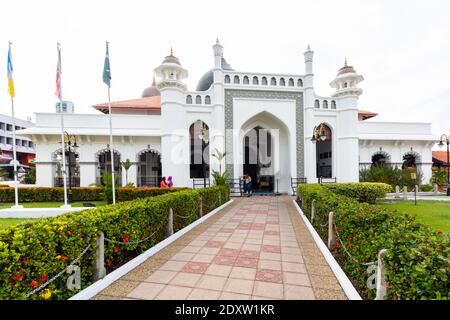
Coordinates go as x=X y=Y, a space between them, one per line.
x=256 y=248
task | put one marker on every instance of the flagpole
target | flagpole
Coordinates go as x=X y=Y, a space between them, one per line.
x=63 y=144
x=16 y=187
x=111 y=136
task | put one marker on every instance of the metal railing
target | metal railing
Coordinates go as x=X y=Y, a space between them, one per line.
x=295 y=182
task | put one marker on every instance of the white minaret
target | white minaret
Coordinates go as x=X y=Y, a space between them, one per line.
x=346 y=94
x=174 y=136
x=309 y=123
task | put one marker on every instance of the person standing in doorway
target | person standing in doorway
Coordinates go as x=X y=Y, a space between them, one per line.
x=247 y=185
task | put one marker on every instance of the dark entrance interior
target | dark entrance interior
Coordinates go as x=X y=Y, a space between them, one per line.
x=258 y=159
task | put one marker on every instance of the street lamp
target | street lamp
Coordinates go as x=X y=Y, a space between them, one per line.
x=446 y=140
x=71 y=147
x=205 y=140
x=319 y=135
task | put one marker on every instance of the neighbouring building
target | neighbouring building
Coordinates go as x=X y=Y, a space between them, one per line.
x=25 y=148
x=274 y=127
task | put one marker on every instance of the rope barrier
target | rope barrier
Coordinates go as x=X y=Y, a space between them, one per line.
x=59 y=274
x=135 y=242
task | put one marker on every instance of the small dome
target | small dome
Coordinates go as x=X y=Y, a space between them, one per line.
x=151 y=91
x=207 y=79
x=171 y=58
x=346 y=69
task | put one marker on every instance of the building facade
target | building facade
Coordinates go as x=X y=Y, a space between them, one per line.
x=273 y=127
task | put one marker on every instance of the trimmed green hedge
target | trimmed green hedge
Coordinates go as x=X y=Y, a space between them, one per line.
x=361 y=191
x=417 y=260
x=31 y=253
x=127 y=194
x=55 y=194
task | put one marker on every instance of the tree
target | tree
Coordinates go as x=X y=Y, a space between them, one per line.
x=126 y=165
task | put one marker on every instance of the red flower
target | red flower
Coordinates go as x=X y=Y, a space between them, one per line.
x=33 y=284
x=349 y=238
x=43 y=278
x=24 y=261
x=116 y=249
x=439 y=232
x=125 y=238
x=337 y=246
x=69 y=233
x=17 y=277
x=109 y=264
x=62 y=258
x=350 y=246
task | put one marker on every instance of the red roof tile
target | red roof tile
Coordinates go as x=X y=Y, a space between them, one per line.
x=150 y=103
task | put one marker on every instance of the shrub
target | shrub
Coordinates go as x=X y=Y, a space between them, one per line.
x=127 y=193
x=44 y=194
x=220 y=179
x=30 y=253
x=417 y=260
x=439 y=177
x=363 y=192
x=390 y=175
x=426 y=187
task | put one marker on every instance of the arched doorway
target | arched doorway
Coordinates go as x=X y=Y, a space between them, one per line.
x=323 y=139
x=149 y=168
x=199 y=150
x=72 y=168
x=380 y=158
x=258 y=162
x=411 y=160
x=103 y=159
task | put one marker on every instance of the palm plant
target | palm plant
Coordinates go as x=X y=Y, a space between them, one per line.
x=219 y=156
x=126 y=165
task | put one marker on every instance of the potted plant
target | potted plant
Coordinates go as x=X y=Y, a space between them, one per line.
x=440 y=178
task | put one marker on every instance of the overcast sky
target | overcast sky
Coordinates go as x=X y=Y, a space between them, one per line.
x=402 y=48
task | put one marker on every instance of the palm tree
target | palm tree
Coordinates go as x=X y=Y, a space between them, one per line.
x=219 y=156
x=126 y=165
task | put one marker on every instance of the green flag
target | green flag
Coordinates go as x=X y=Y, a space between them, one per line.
x=107 y=68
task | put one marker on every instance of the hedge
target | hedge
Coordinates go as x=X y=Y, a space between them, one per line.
x=417 y=258
x=361 y=191
x=55 y=194
x=32 y=253
x=127 y=194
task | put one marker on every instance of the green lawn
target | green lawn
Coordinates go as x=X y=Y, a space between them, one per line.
x=433 y=213
x=51 y=204
x=4 y=223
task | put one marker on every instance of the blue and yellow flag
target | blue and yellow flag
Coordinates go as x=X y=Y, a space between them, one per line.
x=10 y=74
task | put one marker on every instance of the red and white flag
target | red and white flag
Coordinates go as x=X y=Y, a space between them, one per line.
x=58 y=73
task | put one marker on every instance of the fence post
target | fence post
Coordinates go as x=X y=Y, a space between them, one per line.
x=169 y=229
x=331 y=233
x=100 y=270
x=381 y=283
x=397 y=191
x=313 y=210
x=435 y=189
x=405 y=193
x=201 y=207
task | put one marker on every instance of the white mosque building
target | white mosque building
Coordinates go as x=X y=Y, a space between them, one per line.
x=274 y=127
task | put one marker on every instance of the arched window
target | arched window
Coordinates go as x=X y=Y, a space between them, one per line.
x=149 y=168
x=333 y=104
x=282 y=82
x=345 y=84
x=72 y=168
x=316 y=104
x=299 y=83
x=255 y=80
x=291 y=82
x=198 y=99
x=264 y=81
x=227 y=79
x=380 y=158
x=199 y=146
x=207 y=100
x=189 y=99
x=236 y=80
x=103 y=160
x=325 y=104
x=273 y=81
x=245 y=81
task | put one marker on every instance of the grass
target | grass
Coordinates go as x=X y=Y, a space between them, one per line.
x=51 y=204
x=4 y=223
x=436 y=214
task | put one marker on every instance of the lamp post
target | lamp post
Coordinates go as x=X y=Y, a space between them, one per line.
x=445 y=139
x=204 y=137
x=71 y=147
x=319 y=135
